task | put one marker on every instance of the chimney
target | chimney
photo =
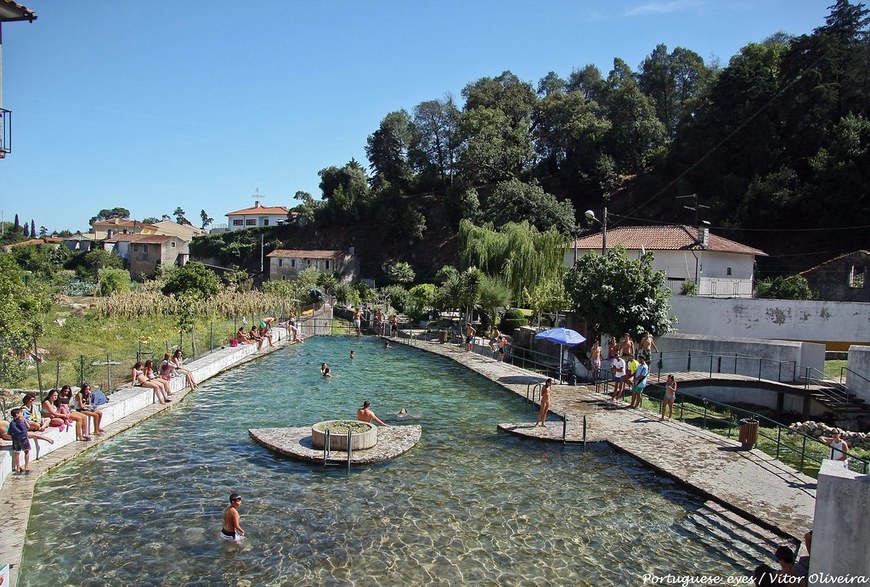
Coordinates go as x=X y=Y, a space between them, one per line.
x=703 y=237
x=256 y=203
x=351 y=250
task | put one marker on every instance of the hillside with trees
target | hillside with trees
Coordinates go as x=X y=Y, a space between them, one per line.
x=775 y=143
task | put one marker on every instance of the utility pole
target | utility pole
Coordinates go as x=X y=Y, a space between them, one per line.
x=696 y=208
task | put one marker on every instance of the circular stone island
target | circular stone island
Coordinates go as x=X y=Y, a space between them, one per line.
x=369 y=444
x=363 y=435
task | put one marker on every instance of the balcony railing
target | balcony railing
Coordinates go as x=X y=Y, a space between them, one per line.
x=5 y=132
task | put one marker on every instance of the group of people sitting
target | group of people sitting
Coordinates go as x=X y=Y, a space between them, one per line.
x=58 y=409
x=171 y=366
x=257 y=335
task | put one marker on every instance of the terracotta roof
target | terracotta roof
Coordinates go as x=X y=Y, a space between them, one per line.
x=313 y=254
x=34 y=241
x=11 y=11
x=148 y=239
x=664 y=238
x=259 y=209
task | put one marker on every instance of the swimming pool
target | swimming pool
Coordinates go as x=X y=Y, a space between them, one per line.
x=467 y=505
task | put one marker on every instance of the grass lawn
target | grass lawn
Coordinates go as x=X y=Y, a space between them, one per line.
x=832 y=369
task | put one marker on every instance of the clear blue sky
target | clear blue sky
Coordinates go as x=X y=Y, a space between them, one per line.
x=196 y=103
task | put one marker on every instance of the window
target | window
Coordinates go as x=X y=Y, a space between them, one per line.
x=280 y=262
x=135 y=248
x=145 y=249
x=251 y=222
x=728 y=271
x=238 y=222
x=265 y=222
x=293 y=262
x=856 y=277
x=172 y=244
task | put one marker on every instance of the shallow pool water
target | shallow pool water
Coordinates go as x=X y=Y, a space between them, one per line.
x=467 y=505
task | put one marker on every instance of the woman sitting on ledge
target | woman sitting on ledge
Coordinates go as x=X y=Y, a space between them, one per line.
x=178 y=360
x=139 y=378
x=84 y=406
x=148 y=368
x=49 y=411
x=242 y=336
x=80 y=418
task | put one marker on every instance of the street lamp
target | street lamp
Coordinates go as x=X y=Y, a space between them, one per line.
x=590 y=215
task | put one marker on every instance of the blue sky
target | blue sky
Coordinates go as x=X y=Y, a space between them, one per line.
x=196 y=103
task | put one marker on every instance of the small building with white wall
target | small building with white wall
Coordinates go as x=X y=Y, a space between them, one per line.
x=720 y=267
x=257 y=215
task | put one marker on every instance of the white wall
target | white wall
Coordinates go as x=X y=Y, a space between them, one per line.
x=858 y=376
x=837 y=324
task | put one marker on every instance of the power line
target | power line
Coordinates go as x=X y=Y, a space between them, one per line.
x=736 y=229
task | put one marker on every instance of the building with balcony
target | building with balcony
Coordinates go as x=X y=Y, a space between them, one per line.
x=9 y=12
x=257 y=215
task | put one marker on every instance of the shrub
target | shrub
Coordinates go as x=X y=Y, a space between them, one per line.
x=112 y=280
x=193 y=277
x=689 y=288
x=512 y=319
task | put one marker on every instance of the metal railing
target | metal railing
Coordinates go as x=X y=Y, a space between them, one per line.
x=794 y=448
x=5 y=132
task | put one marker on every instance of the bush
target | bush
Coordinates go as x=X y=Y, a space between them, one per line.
x=689 y=288
x=512 y=319
x=793 y=287
x=113 y=280
x=398 y=297
x=193 y=277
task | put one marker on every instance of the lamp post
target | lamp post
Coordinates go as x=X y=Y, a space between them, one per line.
x=590 y=215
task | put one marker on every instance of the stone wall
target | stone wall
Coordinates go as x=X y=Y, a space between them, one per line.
x=858 y=376
x=840 y=531
x=777 y=360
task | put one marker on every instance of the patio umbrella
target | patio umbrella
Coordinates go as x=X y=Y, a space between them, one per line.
x=563 y=336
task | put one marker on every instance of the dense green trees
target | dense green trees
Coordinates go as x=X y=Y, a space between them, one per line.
x=22 y=306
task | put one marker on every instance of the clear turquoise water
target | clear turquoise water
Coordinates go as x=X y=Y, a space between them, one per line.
x=468 y=505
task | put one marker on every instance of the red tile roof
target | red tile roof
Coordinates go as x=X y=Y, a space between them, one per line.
x=664 y=238
x=11 y=11
x=260 y=209
x=117 y=222
x=300 y=254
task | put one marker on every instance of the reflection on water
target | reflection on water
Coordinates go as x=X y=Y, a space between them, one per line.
x=467 y=505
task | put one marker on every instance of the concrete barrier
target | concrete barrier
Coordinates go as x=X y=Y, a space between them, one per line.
x=858 y=375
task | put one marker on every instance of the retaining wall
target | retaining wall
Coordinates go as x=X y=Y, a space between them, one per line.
x=858 y=376
x=128 y=400
x=777 y=360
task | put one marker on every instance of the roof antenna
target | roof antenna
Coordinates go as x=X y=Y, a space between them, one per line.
x=257 y=198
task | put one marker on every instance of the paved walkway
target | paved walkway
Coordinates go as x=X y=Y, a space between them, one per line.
x=752 y=483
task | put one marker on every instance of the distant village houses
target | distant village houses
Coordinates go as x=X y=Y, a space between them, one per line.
x=286 y=264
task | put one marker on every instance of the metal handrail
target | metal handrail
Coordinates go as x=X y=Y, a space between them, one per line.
x=844 y=370
x=734 y=415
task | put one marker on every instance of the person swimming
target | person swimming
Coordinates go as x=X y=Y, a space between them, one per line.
x=402 y=413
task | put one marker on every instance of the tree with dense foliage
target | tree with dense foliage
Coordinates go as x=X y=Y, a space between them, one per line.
x=110 y=213
x=436 y=137
x=205 y=219
x=87 y=265
x=111 y=280
x=615 y=294
x=22 y=307
x=519 y=254
x=493 y=297
x=515 y=201
x=193 y=277
x=345 y=190
x=401 y=273
x=388 y=149
x=792 y=287
x=179 y=215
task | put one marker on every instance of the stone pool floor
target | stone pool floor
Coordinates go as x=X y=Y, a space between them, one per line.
x=750 y=482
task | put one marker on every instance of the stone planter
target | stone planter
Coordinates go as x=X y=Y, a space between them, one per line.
x=365 y=436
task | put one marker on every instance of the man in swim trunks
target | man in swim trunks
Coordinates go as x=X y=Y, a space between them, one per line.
x=469 y=337
x=365 y=414
x=231 y=530
x=357 y=321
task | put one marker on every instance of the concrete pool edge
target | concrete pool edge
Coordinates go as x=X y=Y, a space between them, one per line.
x=17 y=491
x=295 y=443
x=752 y=484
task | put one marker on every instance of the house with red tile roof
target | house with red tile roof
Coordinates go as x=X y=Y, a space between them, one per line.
x=103 y=229
x=288 y=263
x=720 y=267
x=257 y=215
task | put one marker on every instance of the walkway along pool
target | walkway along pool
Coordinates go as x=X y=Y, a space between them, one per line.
x=467 y=505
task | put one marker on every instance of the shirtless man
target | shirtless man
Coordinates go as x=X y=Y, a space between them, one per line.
x=647 y=346
x=357 y=321
x=469 y=337
x=626 y=346
x=231 y=530
x=365 y=414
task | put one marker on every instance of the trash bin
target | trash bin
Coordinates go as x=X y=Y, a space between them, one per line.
x=748 y=433
x=442 y=336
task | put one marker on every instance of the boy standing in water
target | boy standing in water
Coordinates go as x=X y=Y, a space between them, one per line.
x=231 y=530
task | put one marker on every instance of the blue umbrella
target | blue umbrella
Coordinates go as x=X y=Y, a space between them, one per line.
x=563 y=336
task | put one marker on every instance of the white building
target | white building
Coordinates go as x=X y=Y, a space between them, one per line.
x=258 y=215
x=720 y=267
